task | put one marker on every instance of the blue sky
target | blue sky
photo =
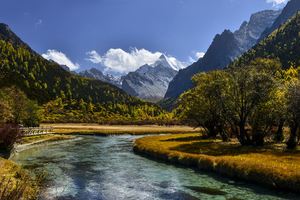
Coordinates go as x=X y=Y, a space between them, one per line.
x=114 y=34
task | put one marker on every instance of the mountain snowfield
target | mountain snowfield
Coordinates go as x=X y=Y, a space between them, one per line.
x=170 y=62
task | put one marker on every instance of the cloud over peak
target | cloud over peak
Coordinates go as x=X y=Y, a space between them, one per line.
x=122 y=62
x=60 y=58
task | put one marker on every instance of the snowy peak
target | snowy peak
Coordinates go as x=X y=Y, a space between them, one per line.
x=150 y=82
x=162 y=61
x=168 y=62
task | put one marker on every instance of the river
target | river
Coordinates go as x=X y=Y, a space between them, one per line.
x=105 y=168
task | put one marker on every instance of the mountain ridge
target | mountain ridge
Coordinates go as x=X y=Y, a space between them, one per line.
x=288 y=11
x=224 y=49
x=282 y=44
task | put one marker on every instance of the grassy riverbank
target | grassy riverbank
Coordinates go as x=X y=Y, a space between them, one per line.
x=270 y=165
x=15 y=182
x=106 y=130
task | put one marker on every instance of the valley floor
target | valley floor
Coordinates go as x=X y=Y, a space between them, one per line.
x=16 y=182
x=105 y=130
x=270 y=165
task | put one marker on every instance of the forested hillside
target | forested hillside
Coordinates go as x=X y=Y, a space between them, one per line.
x=62 y=94
x=44 y=80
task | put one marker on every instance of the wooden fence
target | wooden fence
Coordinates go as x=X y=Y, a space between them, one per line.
x=30 y=131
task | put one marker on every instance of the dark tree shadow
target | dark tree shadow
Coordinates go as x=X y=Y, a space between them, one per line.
x=200 y=145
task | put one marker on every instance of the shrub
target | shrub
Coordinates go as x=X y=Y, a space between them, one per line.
x=9 y=134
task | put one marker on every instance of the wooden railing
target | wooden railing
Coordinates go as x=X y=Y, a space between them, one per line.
x=29 y=131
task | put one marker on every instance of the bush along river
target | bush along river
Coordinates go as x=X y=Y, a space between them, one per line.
x=106 y=168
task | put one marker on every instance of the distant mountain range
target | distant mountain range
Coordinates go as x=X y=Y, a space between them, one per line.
x=162 y=79
x=149 y=82
x=223 y=50
x=98 y=75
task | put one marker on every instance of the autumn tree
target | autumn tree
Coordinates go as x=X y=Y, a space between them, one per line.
x=16 y=108
x=247 y=100
x=293 y=105
x=204 y=104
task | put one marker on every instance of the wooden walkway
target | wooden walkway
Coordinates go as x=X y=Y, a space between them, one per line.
x=30 y=131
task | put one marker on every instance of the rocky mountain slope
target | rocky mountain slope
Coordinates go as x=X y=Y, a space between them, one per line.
x=98 y=75
x=282 y=44
x=150 y=82
x=223 y=50
x=291 y=8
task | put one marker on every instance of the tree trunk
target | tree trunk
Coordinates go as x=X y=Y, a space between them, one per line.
x=223 y=133
x=279 y=133
x=258 y=137
x=243 y=137
x=211 y=131
x=292 y=142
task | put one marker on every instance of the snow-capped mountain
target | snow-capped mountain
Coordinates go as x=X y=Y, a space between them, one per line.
x=151 y=82
x=170 y=62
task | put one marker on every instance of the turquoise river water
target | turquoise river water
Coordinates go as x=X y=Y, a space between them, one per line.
x=105 y=168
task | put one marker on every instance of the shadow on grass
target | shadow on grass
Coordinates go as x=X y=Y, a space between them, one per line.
x=216 y=148
x=184 y=139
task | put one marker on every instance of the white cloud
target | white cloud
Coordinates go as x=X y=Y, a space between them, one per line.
x=122 y=62
x=94 y=57
x=60 y=58
x=197 y=56
x=276 y=2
